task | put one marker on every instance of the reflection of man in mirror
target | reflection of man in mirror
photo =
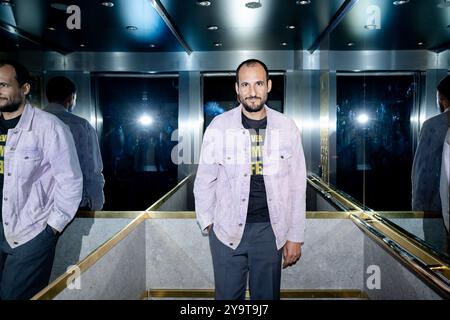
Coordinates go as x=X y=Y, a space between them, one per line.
x=428 y=158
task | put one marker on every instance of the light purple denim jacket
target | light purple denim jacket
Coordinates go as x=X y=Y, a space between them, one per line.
x=222 y=184
x=43 y=183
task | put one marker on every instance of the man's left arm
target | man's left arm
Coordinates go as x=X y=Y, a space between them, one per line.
x=96 y=181
x=66 y=171
x=297 y=196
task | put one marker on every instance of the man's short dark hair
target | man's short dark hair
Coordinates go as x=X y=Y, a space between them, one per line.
x=22 y=73
x=59 y=89
x=249 y=63
x=444 y=87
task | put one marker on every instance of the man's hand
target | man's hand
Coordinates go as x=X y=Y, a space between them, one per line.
x=292 y=251
x=209 y=227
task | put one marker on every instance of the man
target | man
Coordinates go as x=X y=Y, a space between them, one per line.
x=40 y=182
x=426 y=170
x=427 y=160
x=62 y=95
x=250 y=191
x=445 y=183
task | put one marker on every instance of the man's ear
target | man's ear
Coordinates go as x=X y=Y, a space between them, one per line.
x=236 y=87
x=269 y=85
x=26 y=89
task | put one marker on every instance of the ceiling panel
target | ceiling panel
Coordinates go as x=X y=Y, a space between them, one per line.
x=241 y=28
x=402 y=27
x=102 y=28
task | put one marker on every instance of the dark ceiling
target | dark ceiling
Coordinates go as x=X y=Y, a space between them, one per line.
x=181 y=25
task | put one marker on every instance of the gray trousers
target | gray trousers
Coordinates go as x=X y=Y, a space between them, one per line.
x=256 y=257
x=25 y=270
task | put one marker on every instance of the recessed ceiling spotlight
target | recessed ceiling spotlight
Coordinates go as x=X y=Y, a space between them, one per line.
x=131 y=28
x=152 y=45
x=59 y=6
x=290 y=27
x=253 y=4
x=6 y=3
x=350 y=44
x=420 y=43
x=217 y=44
x=284 y=44
x=204 y=3
x=82 y=45
x=107 y=4
x=303 y=2
x=17 y=45
x=399 y=2
x=212 y=28
x=51 y=28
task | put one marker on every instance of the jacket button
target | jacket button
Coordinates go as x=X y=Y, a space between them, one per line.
x=6 y=223
x=240 y=224
x=15 y=242
x=231 y=244
x=9 y=174
x=243 y=200
x=282 y=157
x=245 y=175
x=5 y=198
x=12 y=149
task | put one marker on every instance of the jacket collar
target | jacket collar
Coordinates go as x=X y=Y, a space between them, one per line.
x=55 y=107
x=237 y=116
x=26 y=118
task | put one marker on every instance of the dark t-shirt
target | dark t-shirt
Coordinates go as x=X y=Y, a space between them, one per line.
x=5 y=125
x=257 y=204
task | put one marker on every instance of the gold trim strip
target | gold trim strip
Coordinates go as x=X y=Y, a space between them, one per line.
x=108 y=214
x=319 y=184
x=191 y=215
x=409 y=214
x=431 y=262
x=285 y=293
x=59 y=284
x=164 y=198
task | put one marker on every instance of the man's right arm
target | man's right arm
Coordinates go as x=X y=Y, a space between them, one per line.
x=205 y=183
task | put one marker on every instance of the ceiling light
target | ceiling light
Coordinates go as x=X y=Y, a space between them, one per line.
x=131 y=28
x=59 y=6
x=51 y=28
x=152 y=45
x=145 y=120
x=284 y=44
x=107 y=4
x=217 y=44
x=350 y=44
x=6 y=3
x=212 y=28
x=363 y=118
x=204 y=3
x=290 y=27
x=253 y=4
x=420 y=43
x=303 y=2
x=400 y=2
x=17 y=45
x=82 y=45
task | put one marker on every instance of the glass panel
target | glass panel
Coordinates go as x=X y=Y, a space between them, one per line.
x=219 y=95
x=139 y=116
x=374 y=142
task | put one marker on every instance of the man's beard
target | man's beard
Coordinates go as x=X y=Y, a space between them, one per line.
x=253 y=107
x=12 y=107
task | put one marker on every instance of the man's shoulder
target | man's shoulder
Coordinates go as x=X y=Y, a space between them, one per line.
x=223 y=120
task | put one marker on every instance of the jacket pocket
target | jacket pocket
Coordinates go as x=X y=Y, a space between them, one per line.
x=277 y=163
x=27 y=161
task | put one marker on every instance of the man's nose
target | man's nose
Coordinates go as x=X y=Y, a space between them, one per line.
x=252 y=90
